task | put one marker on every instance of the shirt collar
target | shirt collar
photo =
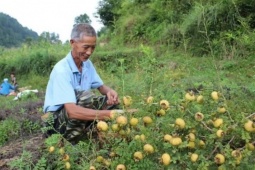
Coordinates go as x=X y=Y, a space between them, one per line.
x=71 y=63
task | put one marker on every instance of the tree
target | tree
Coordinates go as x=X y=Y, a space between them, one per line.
x=84 y=18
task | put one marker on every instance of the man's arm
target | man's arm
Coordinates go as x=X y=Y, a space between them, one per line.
x=110 y=93
x=77 y=112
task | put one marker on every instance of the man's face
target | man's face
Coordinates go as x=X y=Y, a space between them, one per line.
x=82 y=49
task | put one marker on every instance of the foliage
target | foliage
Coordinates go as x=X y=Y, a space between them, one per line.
x=12 y=34
x=84 y=18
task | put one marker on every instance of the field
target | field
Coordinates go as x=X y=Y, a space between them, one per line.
x=194 y=112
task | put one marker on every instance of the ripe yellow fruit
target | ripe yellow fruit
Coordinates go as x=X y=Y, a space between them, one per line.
x=180 y=123
x=115 y=127
x=220 y=133
x=219 y=159
x=191 y=145
x=149 y=100
x=249 y=126
x=51 y=149
x=147 y=120
x=112 y=154
x=250 y=146
x=142 y=137
x=200 y=99
x=120 y=167
x=92 y=168
x=106 y=162
x=201 y=144
x=221 y=109
x=199 y=116
x=161 y=112
x=167 y=137
x=190 y=96
x=193 y=157
x=127 y=101
x=218 y=122
x=67 y=165
x=236 y=154
x=165 y=159
x=113 y=114
x=121 y=120
x=61 y=151
x=99 y=159
x=164 y=104
x=133 y=121
x=175 y=141
x=66 y=157
x=137 y=137
x=148 y=148
x=191 y=137
x=138 y=156
x=102 y=126
x=215 y=95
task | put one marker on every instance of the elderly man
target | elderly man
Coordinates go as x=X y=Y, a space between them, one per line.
x=68 y=97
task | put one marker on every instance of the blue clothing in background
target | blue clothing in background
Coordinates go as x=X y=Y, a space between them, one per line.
x=5 y=88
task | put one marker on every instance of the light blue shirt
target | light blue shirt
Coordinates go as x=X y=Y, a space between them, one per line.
x=65 y=78
x=6 y=88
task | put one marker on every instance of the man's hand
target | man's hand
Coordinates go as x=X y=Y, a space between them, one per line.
x=112 y=97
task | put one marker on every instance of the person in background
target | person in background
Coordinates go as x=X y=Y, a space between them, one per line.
x=14 y=82
x=74 y=107
x=6 y=88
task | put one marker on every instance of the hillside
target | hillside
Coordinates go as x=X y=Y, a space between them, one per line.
x=12 y=33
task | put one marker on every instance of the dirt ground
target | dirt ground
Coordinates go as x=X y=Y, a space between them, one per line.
x=25 y=141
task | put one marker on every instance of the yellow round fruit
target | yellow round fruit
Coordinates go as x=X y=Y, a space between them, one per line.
x=127 y=101
x=51 y=149
x=191 y=145
x=102 y=126
x=67 y=165
x=115 y=127
x=236 y=154
x=138 y=156
x=201 y=144
x=220 y=133
x=148 y=148
x=249 y=126
x=221 y=109
x=175 y=141
x=200 y=99
x=99 y=159
x=133 y=121
x=66 y=157
x=106 y=162
x=61 y=151
x=218 y=122
x=193 y=157
x=142 y=137
x=215 y=95
x=137 y=137
x=92 y=168
x=120 y=167
x=167 y=137
x=121 y=120
x=161 y=112
x=189 y=96
x=164 y=104
x=165 y=159
x=112 y=154
x=149 y=100
x=219 y=159
x=113 y=114
x=199 y=116
x=180 y=123
x=147 y=120
x=250 y=146
x=191 y=137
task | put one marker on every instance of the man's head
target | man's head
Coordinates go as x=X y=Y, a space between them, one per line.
x=5 y=79
x=83 y=41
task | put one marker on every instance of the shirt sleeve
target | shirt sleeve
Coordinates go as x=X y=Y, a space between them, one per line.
x=62 y=89
x=96 y=80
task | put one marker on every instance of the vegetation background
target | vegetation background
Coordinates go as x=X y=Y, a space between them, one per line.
x=159 y=48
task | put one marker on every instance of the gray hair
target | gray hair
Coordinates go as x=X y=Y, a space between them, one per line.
x=79 y=30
